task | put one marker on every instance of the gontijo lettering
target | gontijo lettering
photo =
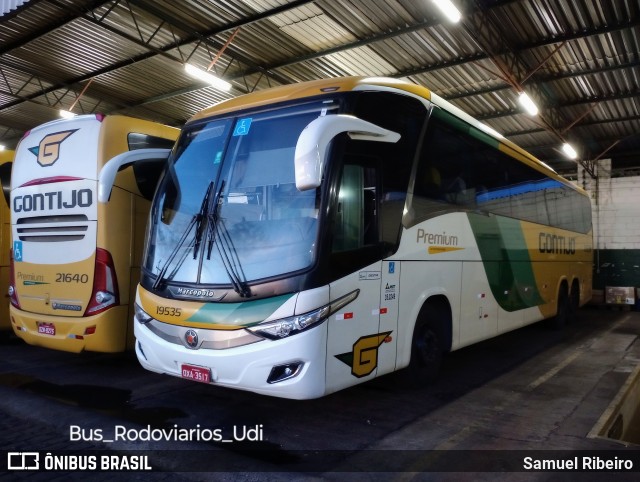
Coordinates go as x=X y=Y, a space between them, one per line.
x=552 y=243
x=53 y=200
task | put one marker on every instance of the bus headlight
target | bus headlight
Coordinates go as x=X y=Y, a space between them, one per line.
x=290 y=326
x=293 y=325
x=142 y=316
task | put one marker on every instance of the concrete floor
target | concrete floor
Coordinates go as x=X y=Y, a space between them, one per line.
x=543 y=408
x=530 y=393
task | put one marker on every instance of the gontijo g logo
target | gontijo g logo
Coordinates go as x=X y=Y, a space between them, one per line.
x=363 y=360
x=48 y=151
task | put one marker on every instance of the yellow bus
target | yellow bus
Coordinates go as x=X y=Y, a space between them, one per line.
x=314 y=236
x=6 y=160
x=76 y=261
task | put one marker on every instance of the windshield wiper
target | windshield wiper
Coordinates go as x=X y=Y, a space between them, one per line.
x=228 y=253
x=196 y=220
x=201 y=217
x=207 y=220
x=213 y=219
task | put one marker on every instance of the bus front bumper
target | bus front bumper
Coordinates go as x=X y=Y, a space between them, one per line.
x=249 y=367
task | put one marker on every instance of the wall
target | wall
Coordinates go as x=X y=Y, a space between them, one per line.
x=616 y=226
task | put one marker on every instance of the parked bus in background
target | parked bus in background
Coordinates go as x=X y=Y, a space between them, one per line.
x=76 y=261
x=314 y=236
x=6 y=160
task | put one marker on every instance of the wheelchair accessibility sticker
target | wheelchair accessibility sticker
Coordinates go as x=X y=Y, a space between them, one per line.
x=242 y=127
x=17 y=250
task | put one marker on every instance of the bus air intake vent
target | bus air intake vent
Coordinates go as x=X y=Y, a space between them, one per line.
x=51 y=229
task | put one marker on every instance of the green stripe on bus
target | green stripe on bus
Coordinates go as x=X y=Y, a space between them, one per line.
x=245 y=313
x=506 y=261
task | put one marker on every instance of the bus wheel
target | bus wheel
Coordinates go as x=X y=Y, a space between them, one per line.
x=563 y=314
x=427 y=347
x=574 y=302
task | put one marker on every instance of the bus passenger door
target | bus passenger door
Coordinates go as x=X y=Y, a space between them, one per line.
x=353 y=333
x=362 y=336
x=389 y=297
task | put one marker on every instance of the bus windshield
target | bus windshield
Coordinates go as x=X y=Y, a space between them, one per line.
x=227 y=210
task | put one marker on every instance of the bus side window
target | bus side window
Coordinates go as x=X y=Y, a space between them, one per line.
x=374 y=183
x=147 y=174
x=356 y=223
x=406 y=116
x=444 y=160
x=455 y=170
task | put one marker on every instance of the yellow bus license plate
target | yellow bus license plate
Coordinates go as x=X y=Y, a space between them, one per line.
x=46 y=329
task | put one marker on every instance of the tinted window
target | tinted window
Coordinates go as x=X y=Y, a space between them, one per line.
x=373 y=182
x=147 y=174
x=406 y=116
x=135 y=140
x=461 y=167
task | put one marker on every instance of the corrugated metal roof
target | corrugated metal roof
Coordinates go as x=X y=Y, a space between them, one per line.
x=578 y=58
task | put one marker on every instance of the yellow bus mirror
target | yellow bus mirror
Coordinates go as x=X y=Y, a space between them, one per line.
x=315 y=138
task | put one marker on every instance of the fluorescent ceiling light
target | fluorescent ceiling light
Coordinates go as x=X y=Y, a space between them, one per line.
x=449 y=9
x=65 y=114
x=200 y=74
x=528 y=104
x=2 y=147
x=569 y=151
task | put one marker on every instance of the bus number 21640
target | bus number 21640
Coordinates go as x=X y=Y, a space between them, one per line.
x=72 y=278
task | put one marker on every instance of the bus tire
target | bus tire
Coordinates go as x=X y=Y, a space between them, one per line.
x=574 y=301
x=563 y=313
x=427 y=345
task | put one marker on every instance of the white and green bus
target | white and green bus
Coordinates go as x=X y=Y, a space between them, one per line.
x=311 y=237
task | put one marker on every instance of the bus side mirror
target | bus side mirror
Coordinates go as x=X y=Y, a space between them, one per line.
x=315 y=138
x=108 y=172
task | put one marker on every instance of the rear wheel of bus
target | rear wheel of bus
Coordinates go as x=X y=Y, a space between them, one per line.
x=574 y=301
x=564 y=310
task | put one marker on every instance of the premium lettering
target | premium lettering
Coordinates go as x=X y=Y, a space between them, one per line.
x=53 y=200
x=441 y=239
x=29 y=276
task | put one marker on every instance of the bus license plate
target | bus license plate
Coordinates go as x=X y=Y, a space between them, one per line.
x=47 y=329
x=196 y=373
